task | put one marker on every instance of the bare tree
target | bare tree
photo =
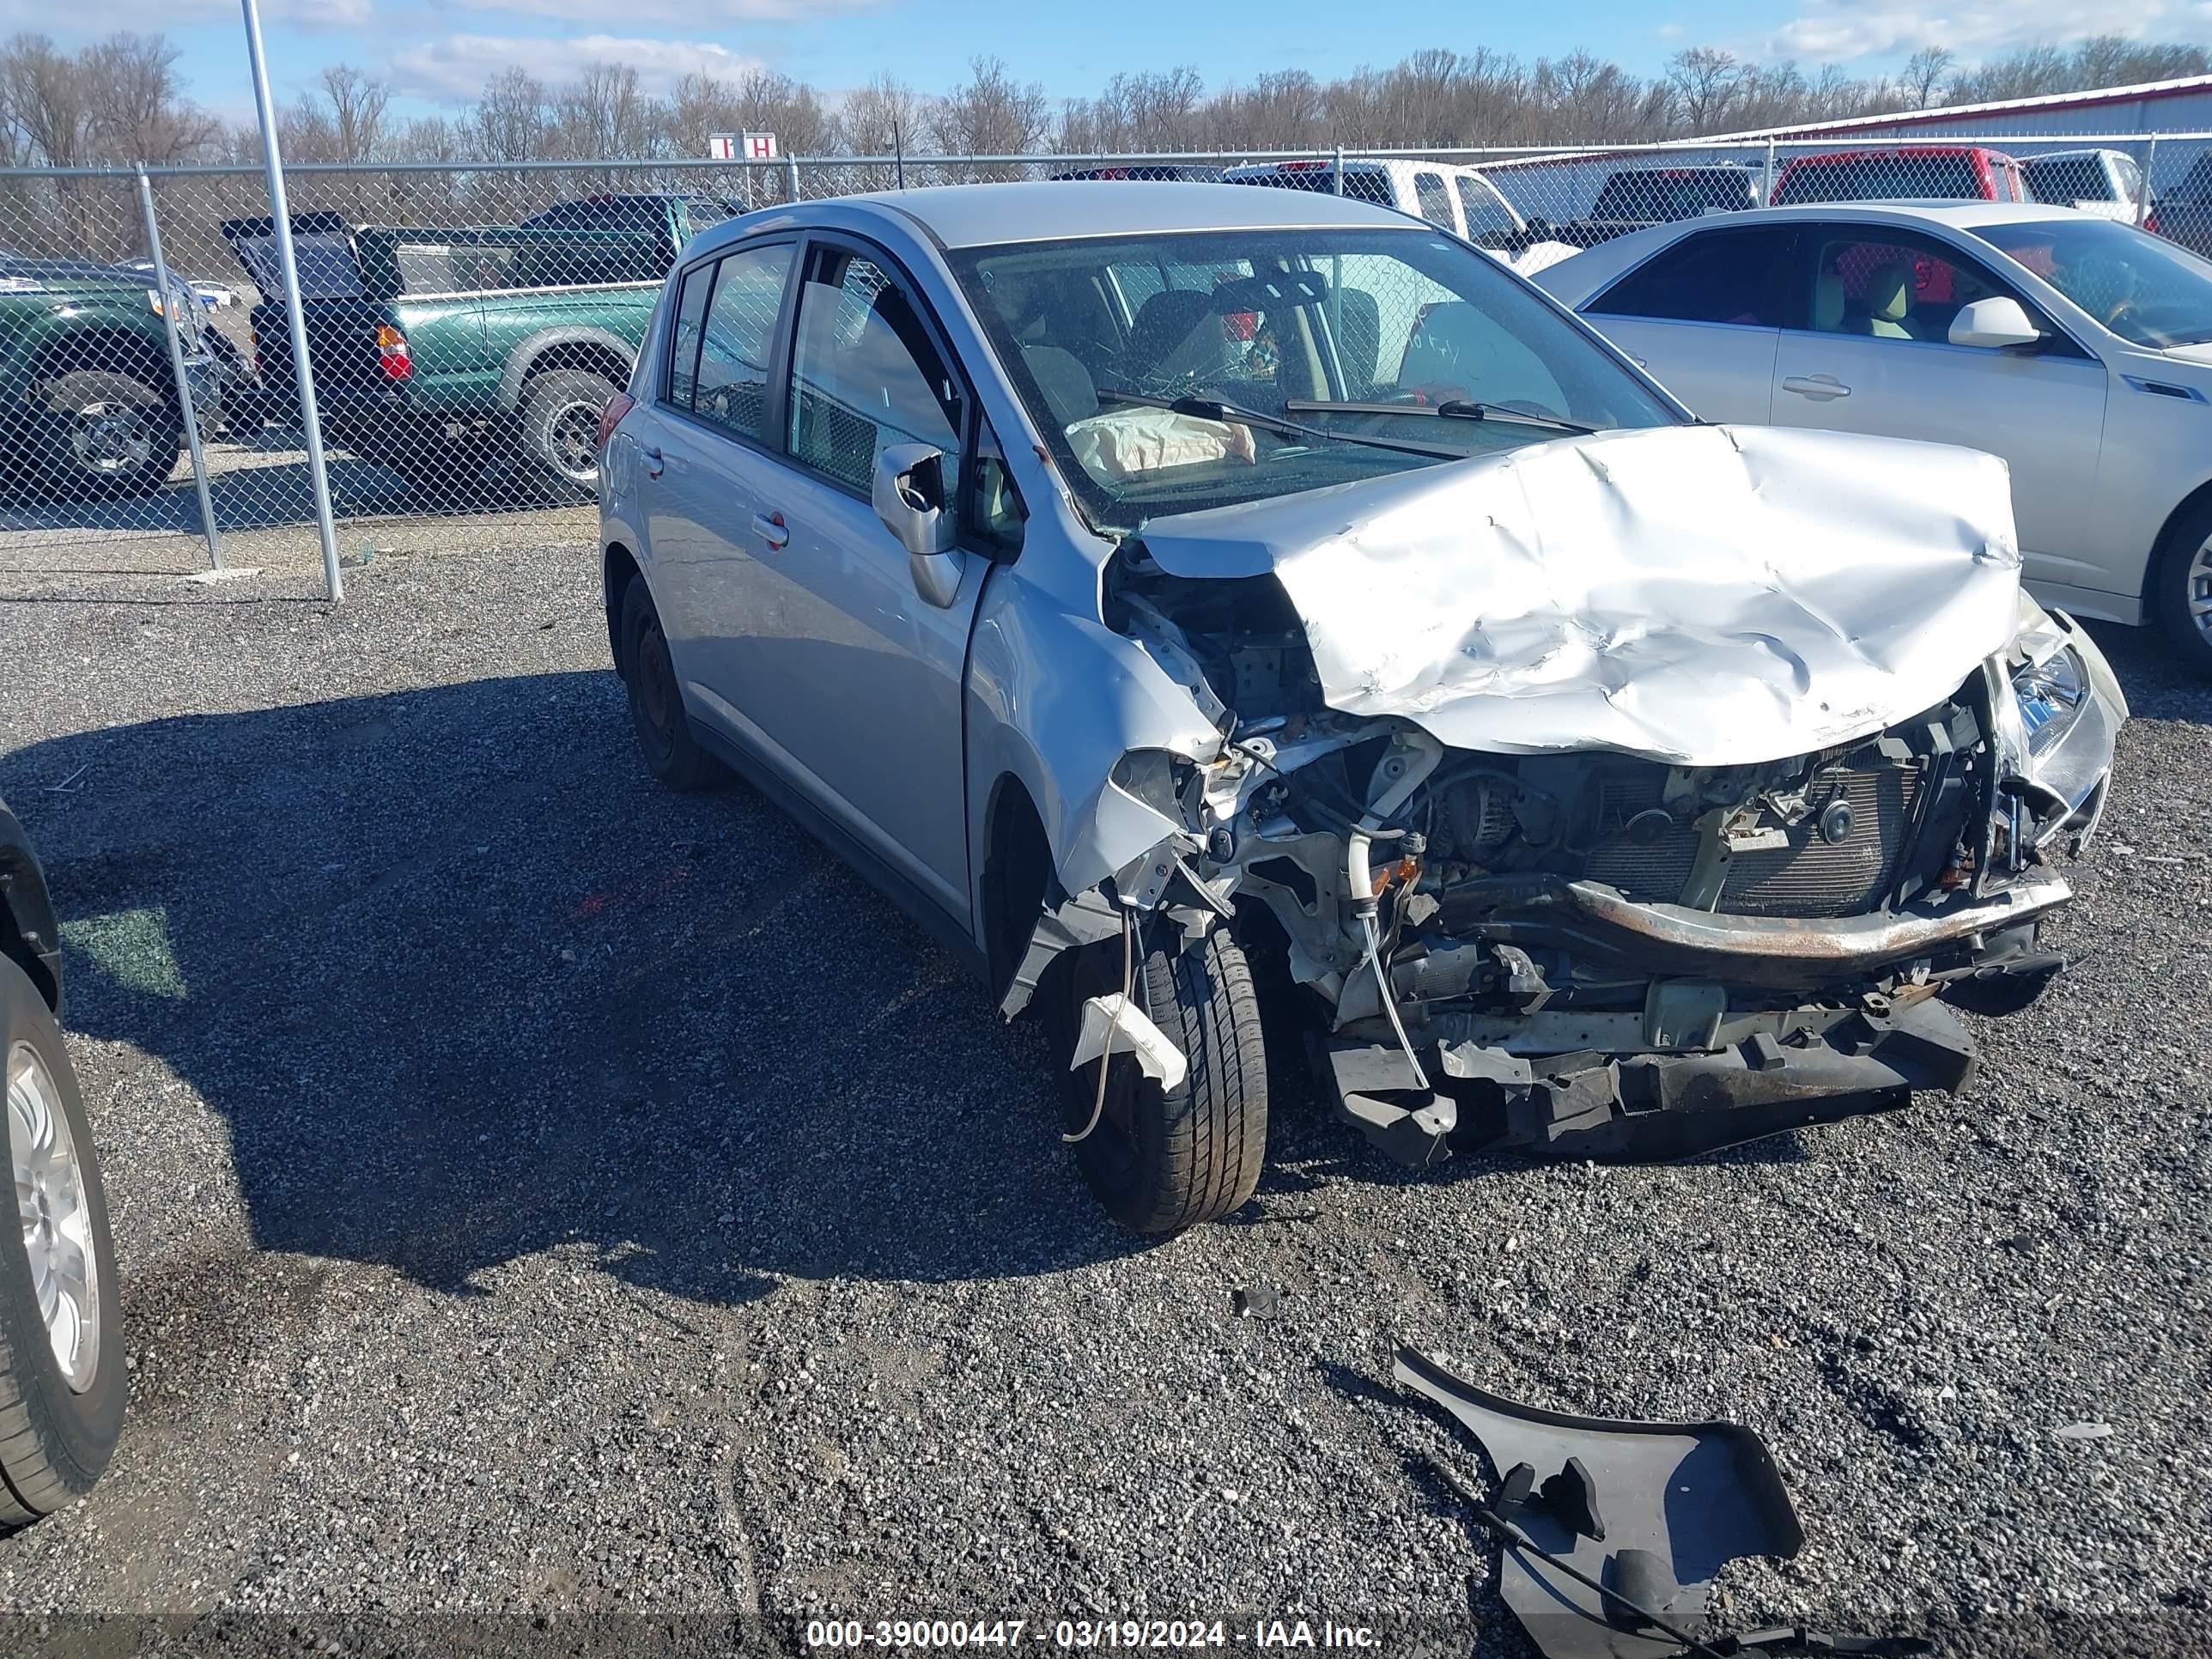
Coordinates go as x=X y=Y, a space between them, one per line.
x=993 y=114
x=1925 y=73
x=47 y=101
x=357 y=104
x=884 y=117
x=1707 y=83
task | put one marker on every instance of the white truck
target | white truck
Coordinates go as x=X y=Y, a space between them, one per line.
x=2105 y=182
x=1456 y=199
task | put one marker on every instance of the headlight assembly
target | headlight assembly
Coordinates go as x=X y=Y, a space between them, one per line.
x=2050 y=695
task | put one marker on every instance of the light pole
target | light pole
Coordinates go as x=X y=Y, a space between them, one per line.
x=303 y=376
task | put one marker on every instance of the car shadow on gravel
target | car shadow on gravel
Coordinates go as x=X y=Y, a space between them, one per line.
x=467 y=986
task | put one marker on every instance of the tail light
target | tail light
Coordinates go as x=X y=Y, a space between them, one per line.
x=2150 y=223
x=392 y=354
x=253 y=340
x=610 y=418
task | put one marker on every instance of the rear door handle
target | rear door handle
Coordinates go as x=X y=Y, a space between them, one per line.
x=655 y=461
x=1818 y=388
x=771 y=529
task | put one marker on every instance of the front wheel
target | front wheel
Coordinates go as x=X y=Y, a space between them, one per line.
x=1160 y=1159
x=111 y=435
x=561 y=429
x=61 y=1386
x=2180 y=592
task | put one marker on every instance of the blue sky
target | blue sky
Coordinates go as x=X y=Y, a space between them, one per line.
x=437 y=53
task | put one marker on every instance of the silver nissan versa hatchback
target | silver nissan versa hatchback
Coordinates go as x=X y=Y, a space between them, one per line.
x=1183 y=597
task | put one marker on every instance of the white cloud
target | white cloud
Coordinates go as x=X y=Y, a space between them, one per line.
x=1669 y=31
x=1828 y=31
x=458 y=66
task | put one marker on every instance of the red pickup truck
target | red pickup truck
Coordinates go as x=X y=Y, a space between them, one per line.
x=1921 y=173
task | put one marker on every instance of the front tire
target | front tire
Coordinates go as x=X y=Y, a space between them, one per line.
x=62 y=1373
x=561 y=429
x=2180 y=592
x=113 y=435
x=1160 y=1160
x=671 y=753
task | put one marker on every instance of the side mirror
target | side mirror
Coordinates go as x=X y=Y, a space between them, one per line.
x=908 y=494
x=1993 y=323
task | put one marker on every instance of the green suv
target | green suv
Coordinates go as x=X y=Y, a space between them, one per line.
x=86 y=392
x=437 y=349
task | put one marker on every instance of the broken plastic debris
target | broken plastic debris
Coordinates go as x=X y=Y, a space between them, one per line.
x=1133 y=1033
x=2083 y=1432
x=228 y=574
x=1257 y=1302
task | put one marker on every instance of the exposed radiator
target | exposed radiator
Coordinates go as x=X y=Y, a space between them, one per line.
x=1810 y=877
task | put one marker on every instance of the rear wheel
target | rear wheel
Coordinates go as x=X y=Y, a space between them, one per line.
x=2180 y=593
x=1160 y=1159
x=656 y=699
x=561 y=429
x=110 y=434
x=61 y=1386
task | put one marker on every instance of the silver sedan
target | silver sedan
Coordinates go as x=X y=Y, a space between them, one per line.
x=1187 y=598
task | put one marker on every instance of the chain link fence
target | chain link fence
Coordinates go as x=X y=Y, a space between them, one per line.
x=466 y=325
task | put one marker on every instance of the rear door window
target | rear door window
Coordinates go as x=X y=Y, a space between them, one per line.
x=737 y=338
x=1435 y=202
x=1737 y=276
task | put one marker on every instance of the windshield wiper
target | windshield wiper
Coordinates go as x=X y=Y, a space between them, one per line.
x=1452 y=409
x=1212 y=409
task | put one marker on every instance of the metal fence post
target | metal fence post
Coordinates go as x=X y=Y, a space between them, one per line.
x=791 y=171
x=2149 y=167
x=1339 y=169
x=1766 y=177
x=303 y=377
x=177 y=367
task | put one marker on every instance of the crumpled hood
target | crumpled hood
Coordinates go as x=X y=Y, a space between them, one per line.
x=1706 y=596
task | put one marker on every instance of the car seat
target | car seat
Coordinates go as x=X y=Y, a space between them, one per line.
x=1828 y=303
x=1171 y=338
x=1359 y=340
x=1889 y=303
x=1068 y=390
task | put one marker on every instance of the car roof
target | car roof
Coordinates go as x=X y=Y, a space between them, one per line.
x=1920 y=152
x=979 y=215
x=1574 y=280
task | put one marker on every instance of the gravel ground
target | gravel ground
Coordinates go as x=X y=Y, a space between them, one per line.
x=541 y=1195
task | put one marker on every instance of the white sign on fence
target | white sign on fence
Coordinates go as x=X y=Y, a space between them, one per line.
x=760 y=147
x=721 y=146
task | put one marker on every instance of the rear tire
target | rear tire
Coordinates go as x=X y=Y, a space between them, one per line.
x=2180 y=594
x=561 y=429
x=59 y=1419
x=671 y=753
x=1160 y=1160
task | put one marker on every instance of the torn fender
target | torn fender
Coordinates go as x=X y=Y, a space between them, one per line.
x=1055 y=700
x=1702 y=596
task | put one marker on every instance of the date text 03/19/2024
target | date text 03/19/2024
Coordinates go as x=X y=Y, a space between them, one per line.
x=1089 y=1633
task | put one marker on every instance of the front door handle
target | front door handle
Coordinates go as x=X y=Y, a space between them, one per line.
x=655 y=461
x=1818 y=388
x=771 y=529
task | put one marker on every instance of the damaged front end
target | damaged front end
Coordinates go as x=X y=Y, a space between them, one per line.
x=1725 y=856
